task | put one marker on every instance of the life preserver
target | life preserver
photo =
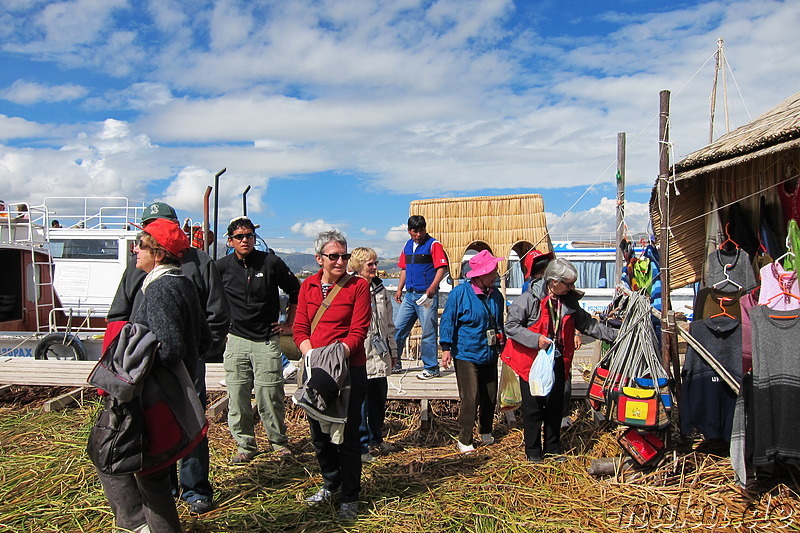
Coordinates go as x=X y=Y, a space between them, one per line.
x=60 y=339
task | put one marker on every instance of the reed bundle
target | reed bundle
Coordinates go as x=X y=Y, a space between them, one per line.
x=48 y=485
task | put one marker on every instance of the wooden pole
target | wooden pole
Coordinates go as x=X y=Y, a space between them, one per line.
x=663 y=239
x=620 y=203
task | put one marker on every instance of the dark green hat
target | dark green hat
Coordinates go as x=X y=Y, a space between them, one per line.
x=158 y=210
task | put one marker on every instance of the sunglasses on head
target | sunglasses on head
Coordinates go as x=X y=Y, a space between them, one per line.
x=336 y=257
x=242 y=236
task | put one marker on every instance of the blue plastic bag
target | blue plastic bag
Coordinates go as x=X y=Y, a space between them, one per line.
x=542 y=375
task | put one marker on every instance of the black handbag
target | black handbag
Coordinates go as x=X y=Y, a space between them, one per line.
x=116 y=441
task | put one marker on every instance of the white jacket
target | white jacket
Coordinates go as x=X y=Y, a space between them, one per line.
x=382 y=325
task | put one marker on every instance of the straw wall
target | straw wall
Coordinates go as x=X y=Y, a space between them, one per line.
x=744 y=183
x=501 y=223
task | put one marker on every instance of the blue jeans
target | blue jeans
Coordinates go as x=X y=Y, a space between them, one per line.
x=373 y=412
x=428 y=319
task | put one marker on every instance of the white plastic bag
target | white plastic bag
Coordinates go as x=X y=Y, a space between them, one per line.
x=542 y=375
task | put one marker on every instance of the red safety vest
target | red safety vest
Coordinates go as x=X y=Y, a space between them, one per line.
x=520 y=358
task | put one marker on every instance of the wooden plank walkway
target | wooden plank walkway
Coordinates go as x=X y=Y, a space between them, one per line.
x=403 y=386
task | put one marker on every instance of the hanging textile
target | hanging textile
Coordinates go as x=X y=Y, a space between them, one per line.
x=741 y=229
x=729 y=270
x=776 y=386
x=790 y=200
x=707 y=403
x=779 y=288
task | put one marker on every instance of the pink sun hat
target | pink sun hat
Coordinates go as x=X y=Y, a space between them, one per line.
x=482 y=263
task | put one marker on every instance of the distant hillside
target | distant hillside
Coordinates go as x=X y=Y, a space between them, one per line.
x=298 y=262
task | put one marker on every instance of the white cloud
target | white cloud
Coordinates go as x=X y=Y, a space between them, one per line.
x=397 y=233
x=367 y=231
x=138 y=96
x=600 y=220
x=312 y=229
x=27 y=92
x=15 y=128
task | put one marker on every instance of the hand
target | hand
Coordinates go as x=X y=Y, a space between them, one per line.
x=398 y=296
x=281 y=328
x=346 y=349
x=446 y=359
x=431 y=292
x=544 y=342
x=578 y=341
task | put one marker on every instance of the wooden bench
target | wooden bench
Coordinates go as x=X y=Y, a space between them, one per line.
x=403 y=386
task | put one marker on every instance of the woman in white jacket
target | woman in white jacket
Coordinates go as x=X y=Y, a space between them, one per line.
x=381 y=351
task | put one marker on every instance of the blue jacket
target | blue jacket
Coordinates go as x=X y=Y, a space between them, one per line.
x=465 y=321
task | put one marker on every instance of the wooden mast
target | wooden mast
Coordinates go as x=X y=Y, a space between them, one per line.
x=620 y=204
x=663 y=239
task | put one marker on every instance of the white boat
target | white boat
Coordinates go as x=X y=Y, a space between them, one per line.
x=595 y=262
x=59 y=282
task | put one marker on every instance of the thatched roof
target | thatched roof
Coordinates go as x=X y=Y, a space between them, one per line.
x=776 y=130
x=738 y=168
x=499 y=223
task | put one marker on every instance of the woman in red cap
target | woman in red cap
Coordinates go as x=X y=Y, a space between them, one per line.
x=470 y=334
x=171 y=310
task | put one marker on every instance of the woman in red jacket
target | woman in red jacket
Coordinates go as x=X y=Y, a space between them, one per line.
x=346 y=320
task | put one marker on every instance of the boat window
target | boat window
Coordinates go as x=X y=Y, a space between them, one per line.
x=84 y=248
x=594 y=274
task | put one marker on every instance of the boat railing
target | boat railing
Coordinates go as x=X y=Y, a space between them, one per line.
x=19 y=225
x=91 y=213
x=83 y=326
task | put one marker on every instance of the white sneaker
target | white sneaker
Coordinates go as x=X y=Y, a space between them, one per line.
x=487 y=439
x=289 y=371
x=465 y=448
x=222 y=382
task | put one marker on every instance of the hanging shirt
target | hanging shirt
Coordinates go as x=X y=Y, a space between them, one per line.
x=774 y=282
x=736 y=264
x=707 y=402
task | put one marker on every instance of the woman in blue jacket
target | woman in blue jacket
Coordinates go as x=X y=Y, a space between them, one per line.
x=470 y=334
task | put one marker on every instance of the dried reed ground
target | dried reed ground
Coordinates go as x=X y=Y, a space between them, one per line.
x=48 y=485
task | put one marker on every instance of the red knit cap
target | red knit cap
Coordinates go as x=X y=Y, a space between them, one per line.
x=169 y=235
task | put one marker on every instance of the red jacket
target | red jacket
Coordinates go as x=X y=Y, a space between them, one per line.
x=346 y=320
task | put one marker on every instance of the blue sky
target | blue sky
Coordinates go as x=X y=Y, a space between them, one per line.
x=339 y=113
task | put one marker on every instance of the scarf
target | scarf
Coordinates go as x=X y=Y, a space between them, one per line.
x=156 y=273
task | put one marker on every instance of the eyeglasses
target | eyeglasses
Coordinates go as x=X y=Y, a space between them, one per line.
x=141 y=245
x=570 y=285
x=336 y=257
x=243 y=236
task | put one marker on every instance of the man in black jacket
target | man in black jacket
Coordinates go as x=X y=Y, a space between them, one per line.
x=253 y=355
x=195 y=487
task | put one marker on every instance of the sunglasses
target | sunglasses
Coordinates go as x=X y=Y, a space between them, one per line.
x=336 y=257
x=243 y=236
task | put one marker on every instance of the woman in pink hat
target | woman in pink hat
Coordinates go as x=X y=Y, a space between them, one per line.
x=471 y=333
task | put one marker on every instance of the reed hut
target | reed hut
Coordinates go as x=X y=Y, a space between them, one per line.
x=744 y=168
x=499 y=224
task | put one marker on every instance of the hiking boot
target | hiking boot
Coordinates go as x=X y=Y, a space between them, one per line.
x=281 y=452
x=321 y=496
x=200 y=506
x=367 y=458
x=465 y=448
x=242 y=458
x=429 y=374
x=348 y=511
x=289 y=372
x=486 y=439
